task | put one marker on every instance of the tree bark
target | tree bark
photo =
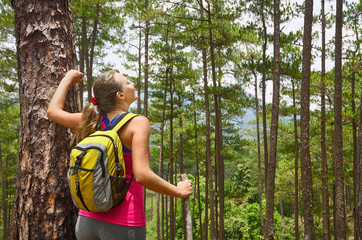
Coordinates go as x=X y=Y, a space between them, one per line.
x=139 y=107
x=324 y=167
x=340 y=214
x=213 y=232
x=309 y=232
x=296 y=169
x=160 y=166
x=272 y=158
x=90 y=55
x=265 y=130
x=259 y=155
x=3 y=197
x=198 y=173
x=208 y=195
x=44 y=38
x=357 y=210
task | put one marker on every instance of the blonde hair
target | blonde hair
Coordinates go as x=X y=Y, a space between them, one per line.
x=104 y=90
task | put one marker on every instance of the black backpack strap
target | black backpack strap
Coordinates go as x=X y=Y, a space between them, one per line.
x=130 y=180
x=123 y=119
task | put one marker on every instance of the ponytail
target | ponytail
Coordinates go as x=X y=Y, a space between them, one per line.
x=88 y=124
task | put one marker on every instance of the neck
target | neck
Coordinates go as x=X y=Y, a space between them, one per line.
x=112 y=114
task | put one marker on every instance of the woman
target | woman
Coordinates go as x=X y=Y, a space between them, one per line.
x=113 y=94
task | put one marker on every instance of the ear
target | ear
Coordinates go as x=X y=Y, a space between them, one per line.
x=119 y=96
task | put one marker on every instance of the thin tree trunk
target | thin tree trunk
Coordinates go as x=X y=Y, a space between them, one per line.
x=145 y=94
x=3 y=191
x=296 y=169
x=139 y=82
x=309 y=232
x=272 y=158
x=341 y=230
x=172 y=202
x=265 y=131
x=91 y=54
x=259 y=155
x=42 y=206
x=198 y=174
x=221 y=172
x=325 y=194
x=207 y=121
x=357 y=172
x=160 y=166
x=217 y=130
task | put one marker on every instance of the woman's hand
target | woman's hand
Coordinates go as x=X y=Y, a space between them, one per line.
x=185 y=188
x=74 y=76
x=55 y=109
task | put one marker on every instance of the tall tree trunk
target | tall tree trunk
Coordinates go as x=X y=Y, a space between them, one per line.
x=259 y=155
x=355 y=160
x=357 y=172
x=139 y=82
x=90 y=55
x=341 y=230
x=145 y=94
x=213 y=234
x=305 y=160
x=172 y=200
x=198 y=173
x=324 y=167
x=272 y=158
x=3 y=197
x=82 y=52
x=265 y=129
x=221 y=170
x=147 y=31
x=296 y=169
x=44 y=40
x=207 y=121
x=160 y=166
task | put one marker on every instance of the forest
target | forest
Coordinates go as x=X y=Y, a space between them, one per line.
x=258 y=101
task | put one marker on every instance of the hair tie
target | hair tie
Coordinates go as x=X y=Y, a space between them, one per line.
x=94 y=101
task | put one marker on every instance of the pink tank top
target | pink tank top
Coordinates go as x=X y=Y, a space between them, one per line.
x=130 y=212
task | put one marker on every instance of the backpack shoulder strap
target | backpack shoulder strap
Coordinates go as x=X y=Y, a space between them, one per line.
x=121 y=121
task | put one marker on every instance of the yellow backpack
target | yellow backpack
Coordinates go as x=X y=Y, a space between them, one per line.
x=97 y=173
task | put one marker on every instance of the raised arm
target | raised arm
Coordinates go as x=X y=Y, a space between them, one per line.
x=55 y=109
x=141 y=169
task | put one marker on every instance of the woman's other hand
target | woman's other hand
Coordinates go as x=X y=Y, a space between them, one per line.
x=185 y=188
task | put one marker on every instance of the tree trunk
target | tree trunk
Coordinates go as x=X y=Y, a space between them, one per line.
x=208 y=194
x=272 y=158
x=296 y=169
x=147 y=30
x=305 y=160
x=145 y=94
x=160 y=166
x=341 y=230
x=90 y=55
x=259 y=155
x=265 y=130
x=44 y=35
x=357 y=172
x=3 y=197
x=172 y=200
x=139 y=71
x=197 y=177
x=324 y=167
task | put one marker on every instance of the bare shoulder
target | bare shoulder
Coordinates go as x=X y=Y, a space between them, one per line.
x=140 y=121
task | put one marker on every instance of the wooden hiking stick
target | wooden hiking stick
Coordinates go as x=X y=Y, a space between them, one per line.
x=186 y=213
